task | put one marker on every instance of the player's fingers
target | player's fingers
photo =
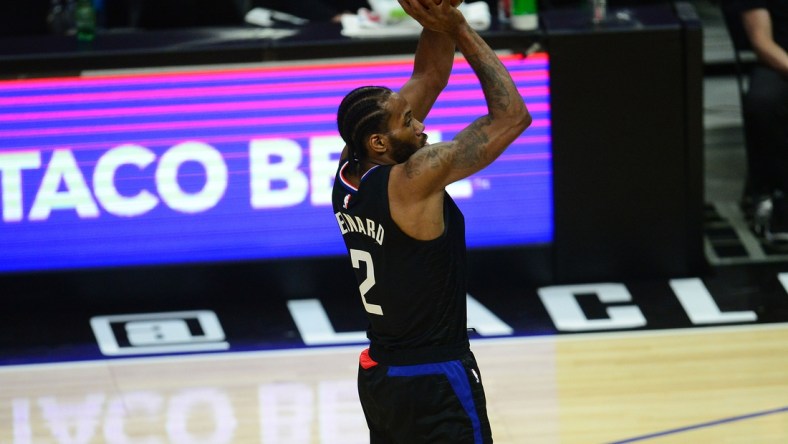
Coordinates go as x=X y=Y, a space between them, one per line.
x=414 y=8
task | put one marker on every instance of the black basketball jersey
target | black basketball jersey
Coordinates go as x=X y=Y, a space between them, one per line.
x=413 y=291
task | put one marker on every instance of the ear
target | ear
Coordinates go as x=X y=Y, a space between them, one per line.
x=378 y=143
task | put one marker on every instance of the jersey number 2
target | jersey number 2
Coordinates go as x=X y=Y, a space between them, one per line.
x=357 y=257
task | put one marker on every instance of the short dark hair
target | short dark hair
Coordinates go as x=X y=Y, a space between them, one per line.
x=360 y=115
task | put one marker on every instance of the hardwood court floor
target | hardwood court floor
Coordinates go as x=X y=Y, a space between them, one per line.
x=707 y=385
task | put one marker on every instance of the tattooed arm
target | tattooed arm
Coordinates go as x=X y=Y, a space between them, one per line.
x=416 y=186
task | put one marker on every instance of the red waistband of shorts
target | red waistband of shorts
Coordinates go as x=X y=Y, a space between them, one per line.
x=365 y=361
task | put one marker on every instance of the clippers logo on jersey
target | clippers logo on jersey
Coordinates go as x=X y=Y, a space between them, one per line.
x=155 y=333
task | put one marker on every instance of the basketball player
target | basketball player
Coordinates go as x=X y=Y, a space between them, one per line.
x=418 y=381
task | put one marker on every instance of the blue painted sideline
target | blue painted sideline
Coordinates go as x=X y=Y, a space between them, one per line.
x=703 y=425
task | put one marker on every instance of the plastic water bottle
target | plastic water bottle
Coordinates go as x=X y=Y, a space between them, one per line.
x=504 y=11
x=524 y=15
x=599 y=8
x=85 y=18
x=100 y=9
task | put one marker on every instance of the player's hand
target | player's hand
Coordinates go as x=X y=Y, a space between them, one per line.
x=441 y=17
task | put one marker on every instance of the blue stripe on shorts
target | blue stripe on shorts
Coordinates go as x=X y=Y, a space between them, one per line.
x=455 y=372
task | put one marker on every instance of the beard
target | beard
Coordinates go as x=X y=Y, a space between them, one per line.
x=401 y=150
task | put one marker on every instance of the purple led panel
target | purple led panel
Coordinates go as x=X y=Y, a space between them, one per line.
x=200 y=166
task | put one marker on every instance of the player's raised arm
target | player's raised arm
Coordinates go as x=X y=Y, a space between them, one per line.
x=431 y=70
x=430 y=169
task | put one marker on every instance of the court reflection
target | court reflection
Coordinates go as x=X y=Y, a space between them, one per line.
x=200 y=399
x=288 y=412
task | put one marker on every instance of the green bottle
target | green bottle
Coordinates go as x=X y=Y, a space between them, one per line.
x=85 y=18
x=524 y=15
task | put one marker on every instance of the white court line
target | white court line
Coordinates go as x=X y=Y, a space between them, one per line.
x=316 y=351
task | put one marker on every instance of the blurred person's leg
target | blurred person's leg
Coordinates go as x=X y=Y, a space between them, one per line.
x=766 y=120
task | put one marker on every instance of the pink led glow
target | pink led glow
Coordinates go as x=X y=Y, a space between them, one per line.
x=218 y=91
x=206 y=108
x=310 y=71
x=222 y=123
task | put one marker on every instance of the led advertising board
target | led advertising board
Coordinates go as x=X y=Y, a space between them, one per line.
x=233 y=164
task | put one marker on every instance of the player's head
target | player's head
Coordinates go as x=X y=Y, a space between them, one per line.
x=376 y=118
x=405 y=133
x=361 y=114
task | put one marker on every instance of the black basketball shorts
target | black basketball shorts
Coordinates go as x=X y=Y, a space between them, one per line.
x=434 y=403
